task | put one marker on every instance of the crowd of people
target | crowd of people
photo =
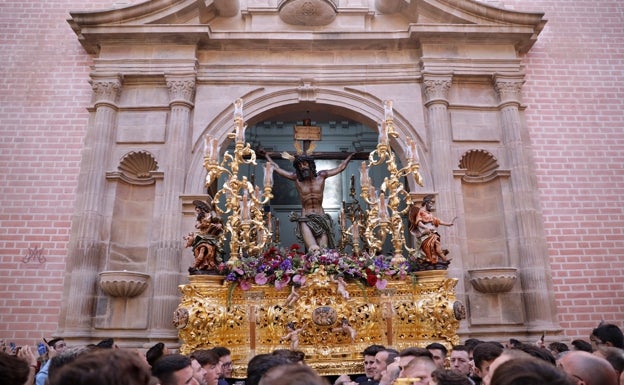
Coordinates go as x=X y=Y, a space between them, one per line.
x=597 y=362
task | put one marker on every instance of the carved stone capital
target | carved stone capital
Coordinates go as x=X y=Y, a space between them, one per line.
x=106 y=90
x=436 y=89
x=181 y=90
x=508 y=89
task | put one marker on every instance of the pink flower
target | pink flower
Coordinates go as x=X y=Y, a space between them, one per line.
x=282 y=283
x=300 y=279
x=260 y=279
x=381 y=284
x=245 y=285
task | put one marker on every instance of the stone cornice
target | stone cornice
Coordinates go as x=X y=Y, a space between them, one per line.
x=190 y=21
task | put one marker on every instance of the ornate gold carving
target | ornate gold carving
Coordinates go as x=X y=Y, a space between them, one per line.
x=330 y=329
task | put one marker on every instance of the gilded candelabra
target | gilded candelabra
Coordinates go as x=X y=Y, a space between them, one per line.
x=351 y=212
x=384 y=213
x=242 y=200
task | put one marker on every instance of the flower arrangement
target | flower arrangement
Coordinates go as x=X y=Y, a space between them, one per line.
x=283 y=267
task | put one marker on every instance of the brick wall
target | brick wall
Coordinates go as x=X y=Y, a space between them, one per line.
x=574 y=94
x=575 y=98
x=43 y=95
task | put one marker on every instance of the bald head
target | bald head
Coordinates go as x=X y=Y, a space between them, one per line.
x=587 y=368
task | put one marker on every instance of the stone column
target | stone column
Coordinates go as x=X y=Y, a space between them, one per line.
x=436 y=87
x=533 y=252
x=88 y=246
x=168 y=247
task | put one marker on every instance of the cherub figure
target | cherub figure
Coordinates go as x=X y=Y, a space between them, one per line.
x=292 y=335
x=293 y=296
x=341 y=286
x=346 y=328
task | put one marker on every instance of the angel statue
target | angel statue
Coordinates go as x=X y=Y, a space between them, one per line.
x=424 y=226
x=205 y=241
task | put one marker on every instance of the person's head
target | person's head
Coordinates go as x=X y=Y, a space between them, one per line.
x=439 y=352
x=382 y=359
x=483 y=355
x=508 y=354
x=448 y=377
x=13 y=370
x=470 y=343
x=419 y=368
x=107 y=343
x=209 y=361
x=407 y=354
x=529 y=370
x=305 y=167
x=607 y=334
x=155 y=352
x=174 y=369
x=104 y=367
x=588 y=369
x=260 y=364
x=225 y=360
x=390 y=374
x=198 y=372
x=537 y=352
x=557 y=347
x=369 y=359
x=615 y=356
x=67 y=356
x=58 y=344
x=460 y=360
x=294 y=356
x=292 y=374
x=582 y=345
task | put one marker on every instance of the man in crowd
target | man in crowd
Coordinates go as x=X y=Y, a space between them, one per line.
x=460 y=361
x=54 y=347
x=439 y=352
x=174 y=369
x=225 y=361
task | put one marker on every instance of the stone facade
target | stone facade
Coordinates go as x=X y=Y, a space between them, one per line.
x=165 y=73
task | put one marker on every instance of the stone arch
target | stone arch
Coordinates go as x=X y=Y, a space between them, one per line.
x=363 y=107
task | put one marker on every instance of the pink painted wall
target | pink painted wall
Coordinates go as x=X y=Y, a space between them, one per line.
x=575 y=111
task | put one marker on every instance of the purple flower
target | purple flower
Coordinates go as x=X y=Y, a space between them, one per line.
x=381 y=284
x=286 y=264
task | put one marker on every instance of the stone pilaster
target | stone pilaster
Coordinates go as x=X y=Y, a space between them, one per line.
x=87 y=249
x=168 y=248
x=436 y=88
x=533 y=259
